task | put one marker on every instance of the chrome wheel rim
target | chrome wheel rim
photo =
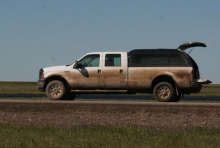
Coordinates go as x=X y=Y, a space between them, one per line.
x=163 y=92
x=55 y=90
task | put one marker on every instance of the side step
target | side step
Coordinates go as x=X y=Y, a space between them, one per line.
x=100 y=91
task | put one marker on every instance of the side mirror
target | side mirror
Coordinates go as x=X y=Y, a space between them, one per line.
x=79 y=65
x=75 y=66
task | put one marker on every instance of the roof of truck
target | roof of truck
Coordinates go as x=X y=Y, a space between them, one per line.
x=140 y=51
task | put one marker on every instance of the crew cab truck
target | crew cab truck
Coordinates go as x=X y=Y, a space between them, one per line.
x=165 y=73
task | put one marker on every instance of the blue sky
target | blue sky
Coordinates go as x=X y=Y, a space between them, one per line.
x=42 y=33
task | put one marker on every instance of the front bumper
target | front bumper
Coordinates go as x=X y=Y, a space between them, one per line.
x=40 y=84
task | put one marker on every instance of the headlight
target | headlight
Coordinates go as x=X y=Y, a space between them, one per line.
x=41 y=73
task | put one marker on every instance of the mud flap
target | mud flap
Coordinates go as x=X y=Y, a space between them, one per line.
x=177 y=93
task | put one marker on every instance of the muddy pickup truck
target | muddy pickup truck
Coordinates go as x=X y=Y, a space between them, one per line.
x=165 y=73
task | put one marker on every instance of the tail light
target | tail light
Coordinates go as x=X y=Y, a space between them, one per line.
x=192 y=73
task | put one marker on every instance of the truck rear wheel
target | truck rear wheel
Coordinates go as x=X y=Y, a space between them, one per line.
x=56 y=90
x=164 y=92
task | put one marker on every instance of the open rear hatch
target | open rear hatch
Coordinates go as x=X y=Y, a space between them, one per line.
x=191 y=44
x=185 y=46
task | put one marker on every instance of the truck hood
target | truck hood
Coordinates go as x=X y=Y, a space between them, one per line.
x=191 y=44
x=57 y=68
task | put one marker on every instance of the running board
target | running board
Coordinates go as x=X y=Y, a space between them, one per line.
x=99 y=91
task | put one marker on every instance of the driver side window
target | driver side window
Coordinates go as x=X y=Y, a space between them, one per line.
x=90 y=61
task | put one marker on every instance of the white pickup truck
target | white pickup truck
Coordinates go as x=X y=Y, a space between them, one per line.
x=166 y=73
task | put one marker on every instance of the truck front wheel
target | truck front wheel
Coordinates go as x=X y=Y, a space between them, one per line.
x=56 y=90
x=164 y=92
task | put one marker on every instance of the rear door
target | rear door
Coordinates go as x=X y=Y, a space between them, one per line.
x=114 y=71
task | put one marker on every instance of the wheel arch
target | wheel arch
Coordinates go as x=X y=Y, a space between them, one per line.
x=52 y=78
x=163 y=78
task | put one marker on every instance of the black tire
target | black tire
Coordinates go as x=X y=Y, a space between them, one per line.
x=56 y=90
x=164 y=92
x=176 y=98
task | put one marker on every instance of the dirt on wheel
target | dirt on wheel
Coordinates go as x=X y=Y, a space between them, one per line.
x=67 y=114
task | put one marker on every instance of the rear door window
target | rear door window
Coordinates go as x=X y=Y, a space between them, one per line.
x=113 y=60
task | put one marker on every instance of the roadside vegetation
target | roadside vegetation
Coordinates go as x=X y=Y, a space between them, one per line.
x=105 y=136
x=19 y=88
x=31 y=88
x=209 y=90
x=101 y=136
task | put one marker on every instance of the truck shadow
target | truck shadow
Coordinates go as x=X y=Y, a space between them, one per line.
x=116 y=97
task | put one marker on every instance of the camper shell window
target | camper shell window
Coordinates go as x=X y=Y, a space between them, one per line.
x=156 y=57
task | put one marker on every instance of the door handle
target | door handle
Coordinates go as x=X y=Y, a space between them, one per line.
x=99 y=70
x=121 y=70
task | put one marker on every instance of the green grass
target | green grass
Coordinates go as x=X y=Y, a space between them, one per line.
x=31 y=88
x=105 y=136
x=19 y=88
x=209 y=90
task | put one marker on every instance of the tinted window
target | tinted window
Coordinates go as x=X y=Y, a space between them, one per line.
x=112 y=60
x=150 y=59
x=90 y=61
x=176 y=59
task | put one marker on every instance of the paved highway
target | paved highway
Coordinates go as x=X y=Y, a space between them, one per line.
x=67 y=114
x=112 y=102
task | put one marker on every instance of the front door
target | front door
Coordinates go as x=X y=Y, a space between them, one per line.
x=88 y=73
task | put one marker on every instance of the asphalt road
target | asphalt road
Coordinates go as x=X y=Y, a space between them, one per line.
x=153 y=115
x=116 y=97
x=111 y=102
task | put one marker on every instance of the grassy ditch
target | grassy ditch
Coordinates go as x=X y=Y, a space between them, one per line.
x=105 y=136
x=19 y=88
x=209 y=90
x=31 y=88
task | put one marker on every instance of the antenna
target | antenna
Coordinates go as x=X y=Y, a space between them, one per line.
x=114 y=45
x=78 y=53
